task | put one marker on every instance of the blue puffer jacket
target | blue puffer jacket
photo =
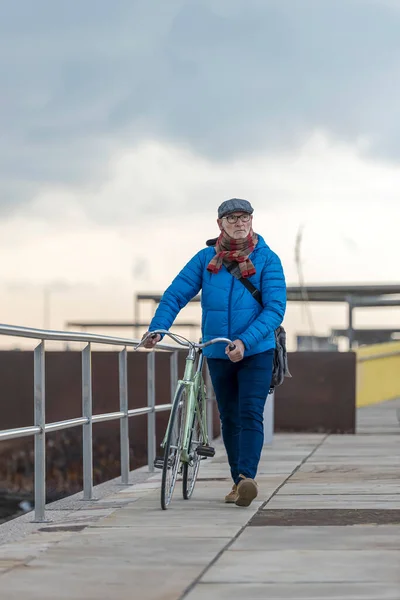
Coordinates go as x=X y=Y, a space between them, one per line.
x=229 y=310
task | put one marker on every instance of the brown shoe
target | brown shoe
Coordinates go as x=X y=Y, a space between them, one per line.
x=231 y=497
x=246 y=491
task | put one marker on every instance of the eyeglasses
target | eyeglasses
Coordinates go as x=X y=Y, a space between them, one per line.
x=245 y=218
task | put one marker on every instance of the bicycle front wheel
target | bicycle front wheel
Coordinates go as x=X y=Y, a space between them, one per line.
x=191 y=469
x=173 y=448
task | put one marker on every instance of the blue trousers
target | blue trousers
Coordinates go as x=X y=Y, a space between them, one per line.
x=241 y=390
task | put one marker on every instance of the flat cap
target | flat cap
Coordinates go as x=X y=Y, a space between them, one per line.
x=233 y=205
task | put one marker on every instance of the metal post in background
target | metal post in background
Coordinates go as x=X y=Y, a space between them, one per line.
x=87 y=427
x=124 y=422
x=151 y=416
x=173 y=373
x=40 y=438
x=350 y=330
x=269 y=419
x=210 y=405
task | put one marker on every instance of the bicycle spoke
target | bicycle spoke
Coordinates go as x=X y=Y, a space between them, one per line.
x=191 y=469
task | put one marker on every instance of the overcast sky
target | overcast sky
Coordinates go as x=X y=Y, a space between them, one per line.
x=124 y=124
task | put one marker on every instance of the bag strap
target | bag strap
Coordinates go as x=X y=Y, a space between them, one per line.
x=234 y=269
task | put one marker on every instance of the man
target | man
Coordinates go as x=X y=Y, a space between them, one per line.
x=241 y=378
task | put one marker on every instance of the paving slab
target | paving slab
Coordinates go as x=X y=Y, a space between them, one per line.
x=305 y=566
x=357 y=537
x=295 y=591
x=342 y=488
x=338 y=501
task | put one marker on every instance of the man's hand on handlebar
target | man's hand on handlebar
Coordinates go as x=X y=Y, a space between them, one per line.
x=237 y=353
x=152 y=340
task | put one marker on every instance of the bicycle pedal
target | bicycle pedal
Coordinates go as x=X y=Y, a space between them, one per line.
x=159 y=462
x=207 y=451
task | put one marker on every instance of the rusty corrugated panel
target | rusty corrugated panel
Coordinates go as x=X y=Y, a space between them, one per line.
x=321 y=396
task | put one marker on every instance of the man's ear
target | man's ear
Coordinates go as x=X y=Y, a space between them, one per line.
x=219 y=223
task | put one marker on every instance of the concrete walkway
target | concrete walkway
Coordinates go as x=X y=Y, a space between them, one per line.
x=326 y=526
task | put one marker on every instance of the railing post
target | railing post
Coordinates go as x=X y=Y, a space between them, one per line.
x=151 y=416
x=87 y=446
x=269 y=419
x=40 y=438
x=210 y=405
x=173 y=373
x=124 y=421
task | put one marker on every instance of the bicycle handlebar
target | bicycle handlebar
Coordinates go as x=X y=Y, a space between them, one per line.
x=187 y=343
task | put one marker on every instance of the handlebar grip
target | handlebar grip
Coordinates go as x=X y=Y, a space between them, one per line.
x=232 y=347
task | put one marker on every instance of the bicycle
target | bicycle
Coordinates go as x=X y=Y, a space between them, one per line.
x=186 y=438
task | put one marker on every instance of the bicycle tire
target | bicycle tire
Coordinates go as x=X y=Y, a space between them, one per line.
x=174 y=441
x=191 y=471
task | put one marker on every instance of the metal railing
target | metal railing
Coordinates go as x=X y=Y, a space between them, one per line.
x=40 y=427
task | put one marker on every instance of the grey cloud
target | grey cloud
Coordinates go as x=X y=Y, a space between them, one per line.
x=227 y=78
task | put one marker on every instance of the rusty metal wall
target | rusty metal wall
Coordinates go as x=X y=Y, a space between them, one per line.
x=321 y=396
x=63 y=401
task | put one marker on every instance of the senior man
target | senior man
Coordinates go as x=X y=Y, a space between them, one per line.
x=241 y=378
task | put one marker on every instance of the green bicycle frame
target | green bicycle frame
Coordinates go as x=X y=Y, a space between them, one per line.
x=194 y=384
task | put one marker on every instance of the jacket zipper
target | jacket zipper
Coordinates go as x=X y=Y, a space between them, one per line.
x=229 y=307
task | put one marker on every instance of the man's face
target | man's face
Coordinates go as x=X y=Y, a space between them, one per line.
x=237 y=225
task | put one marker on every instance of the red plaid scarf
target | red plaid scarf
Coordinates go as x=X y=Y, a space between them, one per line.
x=229 y=249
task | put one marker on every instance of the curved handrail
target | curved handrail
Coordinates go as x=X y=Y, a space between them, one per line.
x=87 y=419
x=63 y=336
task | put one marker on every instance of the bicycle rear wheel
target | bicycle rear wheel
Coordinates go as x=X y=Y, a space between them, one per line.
x=173 y=448
x=191 y=469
